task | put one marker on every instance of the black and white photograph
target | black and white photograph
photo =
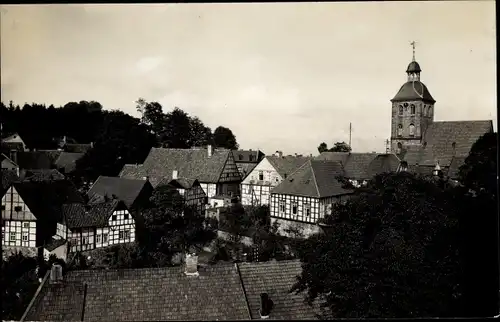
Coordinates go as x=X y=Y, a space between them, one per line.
x=249 y=161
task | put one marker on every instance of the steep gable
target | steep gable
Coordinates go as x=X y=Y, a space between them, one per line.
x=12 y=199
x=77 y=215
x=285 y=165
x=124 y=189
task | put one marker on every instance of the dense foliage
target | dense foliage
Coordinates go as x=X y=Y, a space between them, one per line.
x=337 y=147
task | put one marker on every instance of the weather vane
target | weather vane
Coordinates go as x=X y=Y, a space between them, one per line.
x=413 y=43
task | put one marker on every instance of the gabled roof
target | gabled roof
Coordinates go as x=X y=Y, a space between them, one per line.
x=91 y=215
x=42 y=175
x=275 y=278
x=8 y=178
x=383 y=163
x=133 y=171
x=4 y=157
x=67 y=161
x=45 y=198
x=190 y=163
x=285 y=165
x=183 y=183
x=124 y=189
x=439 y=138
x=356 y=165
x=146 y=294
x=54 y=243
x=246 y=168
x=248 y=156
x=315 y=178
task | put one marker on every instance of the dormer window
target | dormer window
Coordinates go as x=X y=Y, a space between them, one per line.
x=400 y=130
x=412 y=110
x=412 y=129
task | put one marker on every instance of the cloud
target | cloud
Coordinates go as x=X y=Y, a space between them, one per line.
x=147 y=64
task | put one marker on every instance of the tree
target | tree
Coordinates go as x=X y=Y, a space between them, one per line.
x=341 y=147
x=479 y=222
x=323 y=147
x=224 y=138
x=200 y=135
x=176 y=132
x=392 y=252
x=152 y=115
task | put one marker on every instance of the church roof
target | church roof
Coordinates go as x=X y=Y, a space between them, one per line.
x=444 y=140
x=413 y=67
x=413 y=90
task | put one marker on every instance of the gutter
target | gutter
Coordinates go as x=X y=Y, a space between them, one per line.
x=42 y=284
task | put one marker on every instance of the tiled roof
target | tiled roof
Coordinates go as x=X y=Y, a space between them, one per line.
x=181 y=183
x=67 y=161
x=77 y=148
x=133 y=171
x=8 y=178
x=246 y=168
x=45 y=198
x=90 y=215
x=148 y=294
x=439 y=138
x=243 y=156
x=275 y=278
x=285 y=165
x=455 y=165
x=42 y=175
x=383 y=163
x=190 y=163
x=315 y=178
x=413 y=90
x=34 y=160
x=54 y=243
x=356 y=165
x=125 y=189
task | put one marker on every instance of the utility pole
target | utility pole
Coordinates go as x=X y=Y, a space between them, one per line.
x=350 y=131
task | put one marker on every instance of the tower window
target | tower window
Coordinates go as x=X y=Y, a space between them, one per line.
x=406 y=104
x=429 y=111
x=400 y=109
x=400 y=130
x=400 y=147
x=412 y=109
x=412 y=130
x=423 y=111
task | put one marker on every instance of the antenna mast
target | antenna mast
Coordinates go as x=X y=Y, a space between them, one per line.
x=350 y=131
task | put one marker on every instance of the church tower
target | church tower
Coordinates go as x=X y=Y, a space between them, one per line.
x=412 y=110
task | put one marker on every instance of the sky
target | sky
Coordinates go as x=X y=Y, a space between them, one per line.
x=281 y=76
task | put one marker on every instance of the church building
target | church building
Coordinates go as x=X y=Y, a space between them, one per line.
x=419 y=140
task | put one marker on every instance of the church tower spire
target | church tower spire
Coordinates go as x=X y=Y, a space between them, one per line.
x=413 y=69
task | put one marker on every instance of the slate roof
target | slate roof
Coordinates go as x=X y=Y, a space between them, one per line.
x=356 y=165
x=190 y=163
x=315 y=178
x=275 y=278
x=125 y=189
x=243 y=156
x=148 y=294
x=42 y=175
x=67 y=161
x=413 y=90
x=439 y=138
x=45 y=198
x=8 y=178
x=285 y=165
x=78 y=215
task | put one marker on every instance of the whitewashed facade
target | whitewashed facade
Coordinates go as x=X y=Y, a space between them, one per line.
x=256 y=187
x=19 y=224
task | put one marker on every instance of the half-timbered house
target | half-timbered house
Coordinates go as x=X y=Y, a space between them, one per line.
x=190 y=190
x=270 y=172
x=308 y=195
x=246 y=160
x=31 y=210
x=215 y=169
x=96 y=225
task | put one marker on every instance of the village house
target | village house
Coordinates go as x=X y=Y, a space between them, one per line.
x=359 y=168
x=13 y=142
x=8 y=164
x=215 y=169
x=96 y=225
x=223 y=291
x=30 y=212
x=270 y=172
x=308 y=195
x=246 y=160
x=134 y=193
x=190 y=190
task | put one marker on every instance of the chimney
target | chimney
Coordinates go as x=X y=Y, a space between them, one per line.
x=191 y=265
x=174 y=175
x=210 y=150
x=265 y=306
x=56 y=274
x=278 y=154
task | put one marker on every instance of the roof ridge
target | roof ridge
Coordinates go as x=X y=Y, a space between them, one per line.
x=314 y=178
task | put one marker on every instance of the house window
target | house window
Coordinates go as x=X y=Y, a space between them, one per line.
x=98 y=239
x=86 y=240
x=307 y=208
x=261 y=175
x=18 y=208
x=294 y=208
x=12 y=236
x=412 y=130
x=125 y=216
x=412 y=110
x=250 y=157
x=26 y=225
x=3 y=207
x=121 y=234
x=400 y=109
x=113 y=218
x=25 y=237
x=104 y=238
x=127 y=234
x=400 y=130
x=282 y=206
